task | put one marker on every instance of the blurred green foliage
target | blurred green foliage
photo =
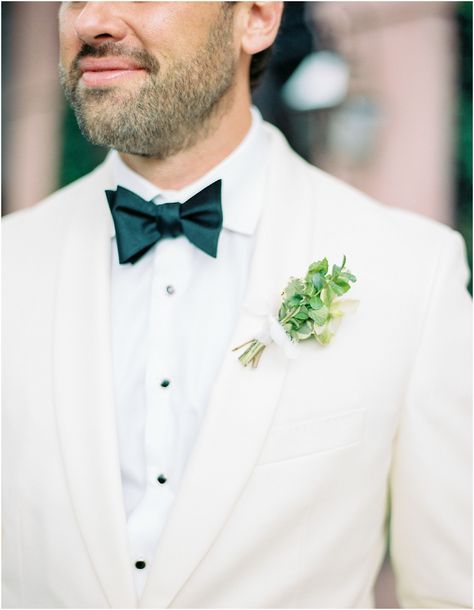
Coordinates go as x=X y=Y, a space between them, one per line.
x=464 y=129
x=78 y=156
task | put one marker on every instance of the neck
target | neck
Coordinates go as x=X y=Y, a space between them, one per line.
x=224 y=134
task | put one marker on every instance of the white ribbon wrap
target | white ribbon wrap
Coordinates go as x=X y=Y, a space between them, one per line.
x=273 y=332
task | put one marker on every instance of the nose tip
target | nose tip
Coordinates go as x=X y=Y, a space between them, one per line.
x=100 y=22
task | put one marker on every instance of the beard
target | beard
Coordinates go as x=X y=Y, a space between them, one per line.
x=168 y=113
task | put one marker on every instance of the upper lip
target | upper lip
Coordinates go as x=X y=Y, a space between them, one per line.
x=95 y=64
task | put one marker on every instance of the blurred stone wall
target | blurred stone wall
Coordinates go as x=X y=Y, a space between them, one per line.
x=393 y=136
x=32 y=103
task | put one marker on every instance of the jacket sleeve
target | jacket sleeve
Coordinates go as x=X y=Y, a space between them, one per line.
x=431 y=475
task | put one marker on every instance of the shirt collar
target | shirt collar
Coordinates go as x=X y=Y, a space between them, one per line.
x=241 y=173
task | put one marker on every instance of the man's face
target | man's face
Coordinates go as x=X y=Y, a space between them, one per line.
x=147 y=78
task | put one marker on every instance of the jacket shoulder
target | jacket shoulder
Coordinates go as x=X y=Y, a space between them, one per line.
x=57 y=207
x=400 y=238
x=379 y=238
x=32 y=239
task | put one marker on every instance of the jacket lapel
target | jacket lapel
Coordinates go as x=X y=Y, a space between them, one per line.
x=243 y=401
x=84 y=391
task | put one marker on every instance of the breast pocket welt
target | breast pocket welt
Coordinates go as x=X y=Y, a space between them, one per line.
x=314 y=436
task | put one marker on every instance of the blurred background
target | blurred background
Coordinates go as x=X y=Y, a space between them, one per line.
x=376 y=93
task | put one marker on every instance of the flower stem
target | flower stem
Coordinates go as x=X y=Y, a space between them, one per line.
x=252 y=354
x=243 y=345
x=290 y=315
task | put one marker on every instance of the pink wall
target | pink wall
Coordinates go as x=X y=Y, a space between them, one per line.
x=403 y=58
x=31 y=139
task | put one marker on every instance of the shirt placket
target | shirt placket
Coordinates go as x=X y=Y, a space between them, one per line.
x=169 y=279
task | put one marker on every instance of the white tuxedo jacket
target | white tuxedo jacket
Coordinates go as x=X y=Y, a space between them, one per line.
x=303 y=468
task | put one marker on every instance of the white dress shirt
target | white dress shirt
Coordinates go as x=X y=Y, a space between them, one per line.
x=173 y=313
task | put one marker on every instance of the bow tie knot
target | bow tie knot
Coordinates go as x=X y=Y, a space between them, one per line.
x=139 y=224
x=168 y=220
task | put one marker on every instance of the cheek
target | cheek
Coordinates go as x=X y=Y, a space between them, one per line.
x=177 y=29
x=69 y=46
x=69 y=43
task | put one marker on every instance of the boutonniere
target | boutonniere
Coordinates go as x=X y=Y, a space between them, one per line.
x=311 y=308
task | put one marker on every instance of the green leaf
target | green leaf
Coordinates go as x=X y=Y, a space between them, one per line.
x=318 y=280
x=327 y=295
x=295 y=287
x=319 y=316
x=339 y=272
x=304 y=332
x=309 y=289
x=319 y=267
x=325 y=337
x=301 y=315
x=293 y=301
x=339 y=287
x=347 y=276
x=342 y=284
x=294 y=334
x=316 y=302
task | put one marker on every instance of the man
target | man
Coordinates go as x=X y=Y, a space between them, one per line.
x=144 y=466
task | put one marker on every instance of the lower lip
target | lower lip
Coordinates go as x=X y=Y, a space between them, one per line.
x=100 y=78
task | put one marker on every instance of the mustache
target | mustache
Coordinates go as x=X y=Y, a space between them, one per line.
x=144 y=59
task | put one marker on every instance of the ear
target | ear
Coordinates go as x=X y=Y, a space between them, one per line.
x=261 y=23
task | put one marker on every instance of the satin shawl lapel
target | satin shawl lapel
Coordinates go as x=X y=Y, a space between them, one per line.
x=243 y=401
x=84 y=392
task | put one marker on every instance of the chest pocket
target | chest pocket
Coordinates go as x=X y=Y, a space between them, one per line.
x=314 y=436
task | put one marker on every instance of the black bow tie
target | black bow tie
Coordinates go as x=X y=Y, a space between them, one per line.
x=139 y=224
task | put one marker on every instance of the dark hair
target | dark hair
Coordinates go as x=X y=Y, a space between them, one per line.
x=258 y=64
